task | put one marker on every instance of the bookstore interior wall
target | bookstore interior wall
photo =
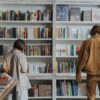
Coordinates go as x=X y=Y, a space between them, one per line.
x=53 y=31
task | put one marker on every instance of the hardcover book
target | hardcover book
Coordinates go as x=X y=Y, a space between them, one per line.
x=86 y=15
x=75 y=14
x=82 y=89
x=96 y=14
x=62 y=13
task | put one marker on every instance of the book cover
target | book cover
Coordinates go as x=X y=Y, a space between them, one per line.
x=62 y=13
x=95 y=14
x=73 y=33
x=36 y=91
x=87 y=15
x=82 y=33
x=75 y=14
x=58 y=92
x=31 y=68
x=97 y=90
x=48 y=90
x=42 y=90
x=1 y=50
x=82 y=89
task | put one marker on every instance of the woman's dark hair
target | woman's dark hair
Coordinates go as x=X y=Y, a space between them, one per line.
x=95 y=30
x=18 y=44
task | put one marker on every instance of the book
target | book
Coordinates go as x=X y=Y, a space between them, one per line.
x=74 y=33
x=82 y=89
x=97 y=90
x=58 y=92
x=87 y=15
x=42 y=90
x=83 y=33
x=36 y=91
x=95 y=14
x=62 y=13
x=48 y=89
x=75 y=14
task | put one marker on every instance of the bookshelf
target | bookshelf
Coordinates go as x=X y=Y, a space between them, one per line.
x=62 y=35
x=68 y=30
x=77 y=23
x=31 y=21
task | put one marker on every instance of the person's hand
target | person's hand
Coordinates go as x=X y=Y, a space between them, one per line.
x=78 y=78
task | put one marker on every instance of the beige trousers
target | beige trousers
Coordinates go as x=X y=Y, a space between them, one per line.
x=91 y=83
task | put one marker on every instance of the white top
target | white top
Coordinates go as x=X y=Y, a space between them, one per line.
x=20 y=63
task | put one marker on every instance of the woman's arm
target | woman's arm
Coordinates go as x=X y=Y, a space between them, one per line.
x=23 y=64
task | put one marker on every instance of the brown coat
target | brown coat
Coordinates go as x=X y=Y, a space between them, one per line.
x=89 y=57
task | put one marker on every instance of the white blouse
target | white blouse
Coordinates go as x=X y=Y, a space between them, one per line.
x=19 y=63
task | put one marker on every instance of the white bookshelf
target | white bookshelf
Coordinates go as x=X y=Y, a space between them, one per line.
x=25 y=22
x=70 y=57
x=40 y=76
x=51 y=4
x=71 y=97
x=76 y=2
x=77 y=22
x=24 y=6
x=27 y=3
x=59 y=39
x=74 y=97
x=34 y=39
x=45 y=57
x=68 y=39
x=39 y=98
x=68 y=76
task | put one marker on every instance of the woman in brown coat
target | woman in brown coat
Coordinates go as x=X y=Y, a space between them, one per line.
x=89 y=62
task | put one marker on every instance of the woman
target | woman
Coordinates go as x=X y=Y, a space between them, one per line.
x=89 y=62
x=18 y=67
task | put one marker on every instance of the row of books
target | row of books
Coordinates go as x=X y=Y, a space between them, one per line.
x=71 y=88
x=40 y=67
x=39 y=15
x=72 y=32
x=66 y=66
x=42 y=32
x=38 y=49
x=41 y=90
x=43 y=49
x=35 y=15
x=3 y=49
x=13 y=32
x=67 y=13
x=64 y=50
x=23 y=32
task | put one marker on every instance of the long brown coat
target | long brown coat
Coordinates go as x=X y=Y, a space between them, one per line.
x=89 y=57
